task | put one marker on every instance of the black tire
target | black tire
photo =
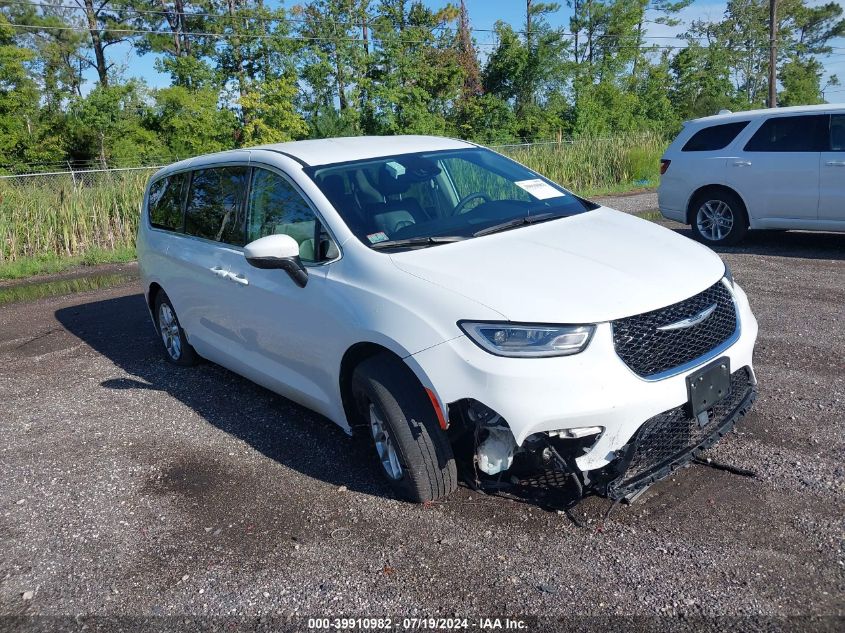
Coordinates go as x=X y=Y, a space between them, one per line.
x=182 y=354
x=729 y=203
x=428 y=470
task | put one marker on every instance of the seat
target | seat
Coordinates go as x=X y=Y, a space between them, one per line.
x=334 y=189
x=303 y=233
x=394 y=215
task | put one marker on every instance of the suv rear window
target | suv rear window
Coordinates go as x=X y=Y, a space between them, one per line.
x=806 y=133
x=165 y=202
x=714 y=137
x=215 y=208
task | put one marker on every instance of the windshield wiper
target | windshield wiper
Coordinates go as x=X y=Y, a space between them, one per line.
x=516 y=222
x=417 y=241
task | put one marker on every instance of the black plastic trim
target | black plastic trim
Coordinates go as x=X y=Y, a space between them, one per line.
x=680 y=460
x=286 y=155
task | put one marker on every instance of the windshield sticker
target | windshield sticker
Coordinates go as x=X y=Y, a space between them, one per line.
x=540 y=189
x=375 y=238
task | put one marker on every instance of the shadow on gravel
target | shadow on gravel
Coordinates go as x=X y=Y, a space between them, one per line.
x=292 y=435
x=806 y=245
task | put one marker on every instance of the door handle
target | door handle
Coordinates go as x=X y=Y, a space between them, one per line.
x=219 y=271
x=742 y=163
x=239 y=279
x=835 y=163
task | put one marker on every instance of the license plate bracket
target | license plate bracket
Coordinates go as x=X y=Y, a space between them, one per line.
x=709 y=386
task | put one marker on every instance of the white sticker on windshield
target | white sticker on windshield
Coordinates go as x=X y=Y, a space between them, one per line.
x=540 y=189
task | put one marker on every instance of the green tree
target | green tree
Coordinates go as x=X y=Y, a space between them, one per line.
x=21 y=136
x=415 y=72
x=804 y=32
x=107 y=125
x=191 y=122
x=525 y=70
x=176 y=30
x=335 y=63
x=256 y=65
x=701 y=81
x=107 y=23
x=801 y=81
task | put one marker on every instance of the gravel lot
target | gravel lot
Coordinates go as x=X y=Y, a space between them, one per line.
x=129 y=487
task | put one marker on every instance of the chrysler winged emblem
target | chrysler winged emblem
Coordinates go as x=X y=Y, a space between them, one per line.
x=689 y=321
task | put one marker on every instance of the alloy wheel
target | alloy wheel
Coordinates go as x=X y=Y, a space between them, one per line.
x=169 y=328
x=714 y=220
x=387 y=454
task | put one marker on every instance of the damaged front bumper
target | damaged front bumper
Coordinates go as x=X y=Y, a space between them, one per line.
x=545 y=467
x=671 y=440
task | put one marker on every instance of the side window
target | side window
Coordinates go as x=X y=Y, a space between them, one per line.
x=165 y=202
x=215 y=205
x=275 y=207
x=714 y=137
x=790 y=134
x=471 y=178
x=837 y=133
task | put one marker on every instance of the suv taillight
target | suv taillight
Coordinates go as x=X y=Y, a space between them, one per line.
x=664 y=165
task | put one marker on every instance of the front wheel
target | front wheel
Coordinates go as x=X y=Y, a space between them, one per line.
x=412 y=450
x=719 y=218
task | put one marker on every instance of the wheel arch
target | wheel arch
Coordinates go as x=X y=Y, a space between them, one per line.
x=354 y=356
x=713 y=188
x=152 y=292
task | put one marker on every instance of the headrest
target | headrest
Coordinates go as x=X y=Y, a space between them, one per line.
x=333 y=185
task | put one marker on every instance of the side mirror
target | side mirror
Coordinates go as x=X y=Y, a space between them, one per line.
x=277 y=251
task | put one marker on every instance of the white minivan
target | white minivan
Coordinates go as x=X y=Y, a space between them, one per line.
x=471 y=315
x=781 y=168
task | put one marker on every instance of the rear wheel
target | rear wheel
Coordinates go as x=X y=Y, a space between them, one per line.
x=718 y=218
x=176 y=347
x=412 y=450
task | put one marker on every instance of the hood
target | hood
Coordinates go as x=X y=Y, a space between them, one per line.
x=589 y=268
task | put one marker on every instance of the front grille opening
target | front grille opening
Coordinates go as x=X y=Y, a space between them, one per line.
x=649 y=351
x=666 y=436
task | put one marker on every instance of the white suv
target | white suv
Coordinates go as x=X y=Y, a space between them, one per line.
x=780 y=168
x=462 y=308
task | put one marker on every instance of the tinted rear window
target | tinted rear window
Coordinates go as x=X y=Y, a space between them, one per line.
x=215 y=207
x=807 y=133
x=165 y=202
x=714 y=137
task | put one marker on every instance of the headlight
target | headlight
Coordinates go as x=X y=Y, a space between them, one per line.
x=729 y=275
x=528 y=341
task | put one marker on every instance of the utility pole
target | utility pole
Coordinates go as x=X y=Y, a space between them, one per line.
x=528 y=24
x=773 y=53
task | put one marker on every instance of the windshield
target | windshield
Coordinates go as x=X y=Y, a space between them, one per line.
x=416 y=198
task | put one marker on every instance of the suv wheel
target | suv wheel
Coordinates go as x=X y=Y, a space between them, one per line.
x=176 y=346
x=414 y=452
x=719 y=218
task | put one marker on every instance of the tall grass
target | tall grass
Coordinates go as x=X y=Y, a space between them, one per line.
x=62 y=217
x=67 y=216
x=588 y=166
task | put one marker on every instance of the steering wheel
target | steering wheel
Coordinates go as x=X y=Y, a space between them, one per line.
x=459 y=208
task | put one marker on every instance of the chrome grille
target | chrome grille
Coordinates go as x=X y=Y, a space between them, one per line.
x=651 y=351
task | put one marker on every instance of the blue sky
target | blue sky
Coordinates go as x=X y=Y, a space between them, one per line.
x=484 y=13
